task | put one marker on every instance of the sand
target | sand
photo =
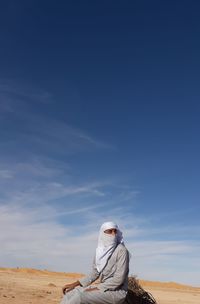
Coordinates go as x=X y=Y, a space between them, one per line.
x=30 y=286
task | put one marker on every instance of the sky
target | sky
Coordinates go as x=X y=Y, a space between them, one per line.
x=99 y=121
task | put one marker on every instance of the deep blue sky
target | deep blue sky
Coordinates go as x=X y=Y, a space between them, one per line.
x=101 y=98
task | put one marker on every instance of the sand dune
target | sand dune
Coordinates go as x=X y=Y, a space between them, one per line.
x=31 y=286
x=40 y=272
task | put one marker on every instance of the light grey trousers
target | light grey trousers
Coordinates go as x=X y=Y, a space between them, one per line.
x=79 y=296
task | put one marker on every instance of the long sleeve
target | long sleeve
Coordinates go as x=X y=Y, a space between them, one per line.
x=120 y=275
x=91 y=277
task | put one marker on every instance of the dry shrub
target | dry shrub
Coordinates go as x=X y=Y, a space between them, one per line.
x=136 y=294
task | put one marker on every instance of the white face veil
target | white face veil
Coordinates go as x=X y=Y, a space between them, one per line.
x=107 y=244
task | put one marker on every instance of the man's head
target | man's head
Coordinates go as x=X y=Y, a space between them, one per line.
x=109 y=228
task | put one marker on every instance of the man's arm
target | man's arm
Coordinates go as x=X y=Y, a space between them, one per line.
x=69 y=287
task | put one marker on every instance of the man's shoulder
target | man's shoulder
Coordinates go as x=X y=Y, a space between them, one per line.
x=122 y=249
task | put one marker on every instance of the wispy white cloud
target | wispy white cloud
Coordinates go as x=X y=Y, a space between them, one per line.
x=166 y=260
x=6 y=174
x=13 y=94
x=29 y=241
x=39 y=131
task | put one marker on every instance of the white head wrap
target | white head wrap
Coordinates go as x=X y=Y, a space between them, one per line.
x=107 y=244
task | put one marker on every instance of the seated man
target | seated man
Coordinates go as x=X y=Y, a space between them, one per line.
x=111 y=266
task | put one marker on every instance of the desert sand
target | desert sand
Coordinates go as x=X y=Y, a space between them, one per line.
x=30 y=286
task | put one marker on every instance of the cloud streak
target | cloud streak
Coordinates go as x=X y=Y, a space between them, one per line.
x=37 y=132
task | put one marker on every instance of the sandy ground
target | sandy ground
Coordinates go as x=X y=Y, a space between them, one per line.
x=20 y=286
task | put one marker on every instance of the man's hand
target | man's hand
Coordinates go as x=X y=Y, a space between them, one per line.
x=69 y=287
x=91 y=289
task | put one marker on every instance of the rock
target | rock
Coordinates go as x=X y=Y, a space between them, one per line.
x=51 y=285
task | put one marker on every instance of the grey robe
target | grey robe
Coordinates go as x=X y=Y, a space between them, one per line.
x=113 y=282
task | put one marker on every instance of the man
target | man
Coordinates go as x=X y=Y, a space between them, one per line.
x=111 y=267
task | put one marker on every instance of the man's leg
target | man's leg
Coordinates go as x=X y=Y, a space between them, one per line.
x=80 y=296
x=101 y=297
